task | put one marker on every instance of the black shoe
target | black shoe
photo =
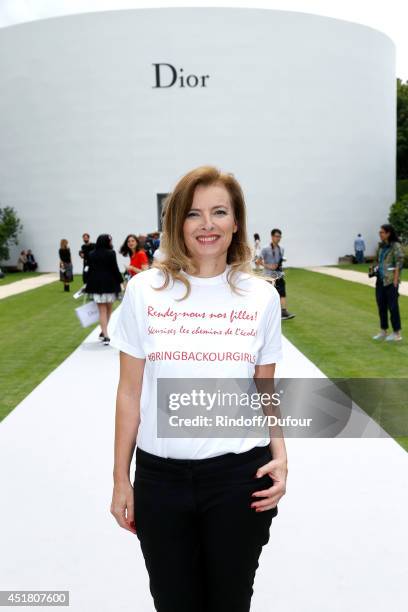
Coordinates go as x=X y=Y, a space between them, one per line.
x=106 y=340
x=286 y=314
x=101 y=336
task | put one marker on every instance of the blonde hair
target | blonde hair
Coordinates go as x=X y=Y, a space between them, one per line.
x=64 y=244
x=176 y=207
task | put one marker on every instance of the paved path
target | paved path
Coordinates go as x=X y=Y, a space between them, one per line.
x=27 y=283
x=354 y=276
x=336 y=541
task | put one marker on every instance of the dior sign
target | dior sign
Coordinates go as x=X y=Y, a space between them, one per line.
x=167 y=76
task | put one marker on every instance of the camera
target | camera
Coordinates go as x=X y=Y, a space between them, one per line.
x=372 y=271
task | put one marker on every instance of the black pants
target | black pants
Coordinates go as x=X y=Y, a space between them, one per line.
x=387 y=299
x=280 y=286
x=200 y=538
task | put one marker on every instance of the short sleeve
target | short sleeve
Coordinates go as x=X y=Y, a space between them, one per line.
x=125 y=329
x=143 y=258
x=399 y=256
x=271 y=350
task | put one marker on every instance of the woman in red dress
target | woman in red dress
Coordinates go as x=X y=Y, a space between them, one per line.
x=138 y=257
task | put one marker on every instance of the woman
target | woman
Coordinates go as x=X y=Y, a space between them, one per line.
x=389 y=259
x=103 y=281
x=65 y=265
x=22 y=262
x=256 y=252
x=138 y=258
x=196 y=506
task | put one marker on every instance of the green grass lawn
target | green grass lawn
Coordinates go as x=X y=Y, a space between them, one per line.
x=12 y=277
x=38 y=330
x=334 y=322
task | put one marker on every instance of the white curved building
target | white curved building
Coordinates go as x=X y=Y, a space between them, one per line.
x=101 y=112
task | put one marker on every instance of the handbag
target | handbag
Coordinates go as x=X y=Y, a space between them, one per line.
x=88 y=313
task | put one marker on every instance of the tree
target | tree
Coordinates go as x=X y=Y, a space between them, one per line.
x=398 y=217
x=10 y=227
x=402 y=130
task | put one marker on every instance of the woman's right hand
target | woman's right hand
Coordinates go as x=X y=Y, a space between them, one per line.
x=122 y=501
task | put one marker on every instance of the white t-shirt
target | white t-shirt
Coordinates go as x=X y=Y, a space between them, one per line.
x=212 y=333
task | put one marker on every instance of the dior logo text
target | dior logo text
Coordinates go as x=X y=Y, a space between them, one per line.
x=167 y=76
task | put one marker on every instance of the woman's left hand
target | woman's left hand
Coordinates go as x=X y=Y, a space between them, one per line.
x=277 y=469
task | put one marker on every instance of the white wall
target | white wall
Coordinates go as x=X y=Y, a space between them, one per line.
x=300 y=108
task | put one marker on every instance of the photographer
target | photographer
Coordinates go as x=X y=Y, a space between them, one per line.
x=271 y=259
x=388 y=262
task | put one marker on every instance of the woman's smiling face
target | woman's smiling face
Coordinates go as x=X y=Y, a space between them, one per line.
x=131 y=242
x=210 y=223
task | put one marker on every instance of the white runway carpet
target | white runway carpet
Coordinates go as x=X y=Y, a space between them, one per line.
x=337 y=545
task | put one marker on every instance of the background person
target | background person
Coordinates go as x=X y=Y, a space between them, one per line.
x=149 y=246
x=138 y=258
x=158 y=254
x=257 y=252
x=65 y=267
x=104 y=281
x=22 y=262
x=31 y=263
x=359 y=248
x=86 y=248
x=201 y=515
x=389 y=258
x=271 y=259
x=156 y=240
